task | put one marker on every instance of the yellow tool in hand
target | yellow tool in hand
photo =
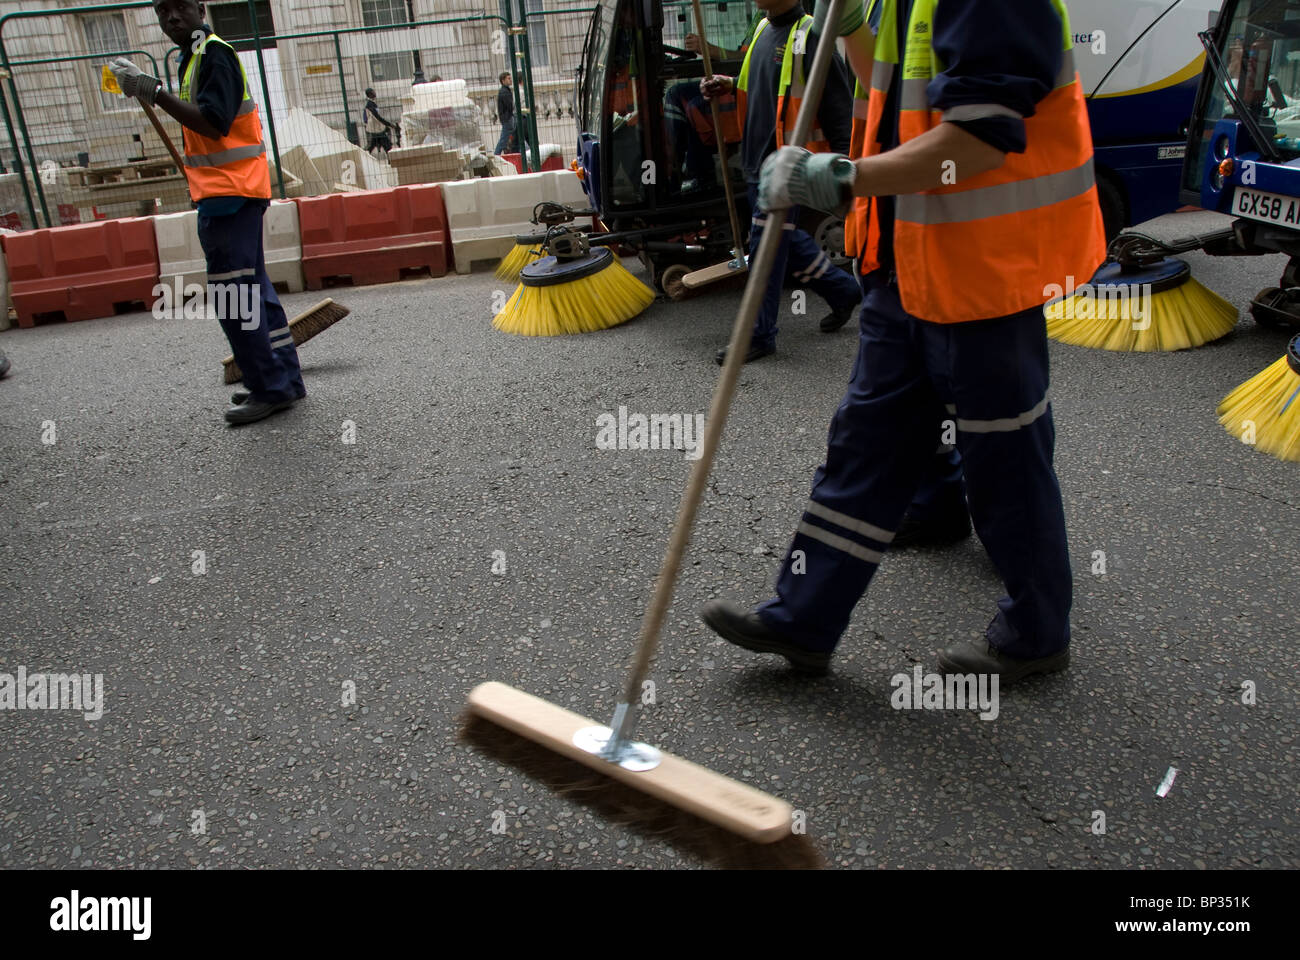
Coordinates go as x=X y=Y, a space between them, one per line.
x=108 y=82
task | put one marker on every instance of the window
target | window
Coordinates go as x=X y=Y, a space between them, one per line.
x=727 y=24
x=388 y=66
x=537 y=48
x=232 y=23
x=106 y=34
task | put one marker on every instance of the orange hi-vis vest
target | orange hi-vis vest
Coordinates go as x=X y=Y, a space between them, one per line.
x=234 y=165
x=994 y=244
x=789 y=93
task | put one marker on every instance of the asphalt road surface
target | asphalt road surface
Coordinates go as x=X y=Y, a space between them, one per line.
x=332 y=570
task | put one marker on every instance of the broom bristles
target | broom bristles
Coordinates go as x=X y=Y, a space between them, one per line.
x=303 y=327
x=1257 y=412
x=645 y=815
x=1186 y=316
x=513 y=263
x=596 y=302
x=320 y=317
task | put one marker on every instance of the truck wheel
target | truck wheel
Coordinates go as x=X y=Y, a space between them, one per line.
x=830 y=237
x=1114 y=211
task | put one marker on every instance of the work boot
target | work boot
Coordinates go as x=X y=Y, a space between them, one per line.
x=241 y=396
x=939 y=529
x=747 y=630
x=756 y=352
x=979 y=656
x=250 y=411
x=836 y=319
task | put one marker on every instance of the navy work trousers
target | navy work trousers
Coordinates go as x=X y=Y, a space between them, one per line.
x=246 y=304
x=989 y=380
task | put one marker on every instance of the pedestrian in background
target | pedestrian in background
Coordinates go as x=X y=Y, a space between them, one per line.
x=376 y=126
x=506 y=112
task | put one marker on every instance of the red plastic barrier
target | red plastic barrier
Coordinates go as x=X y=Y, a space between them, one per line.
x=82 y=271
x=373 y=235
x=553 y=162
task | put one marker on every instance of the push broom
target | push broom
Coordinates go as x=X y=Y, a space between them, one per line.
x=304 y=326
x=611 y=750
x=737 y=265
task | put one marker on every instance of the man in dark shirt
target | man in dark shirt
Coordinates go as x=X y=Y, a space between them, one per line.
x=798 y=251
x=506 y=112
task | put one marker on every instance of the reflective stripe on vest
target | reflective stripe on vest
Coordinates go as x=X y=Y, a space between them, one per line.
x=789 y=91
x=233 y=165
x=993 y=244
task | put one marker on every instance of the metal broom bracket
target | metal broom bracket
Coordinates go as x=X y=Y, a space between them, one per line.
x=610 y=743
x=565 y=244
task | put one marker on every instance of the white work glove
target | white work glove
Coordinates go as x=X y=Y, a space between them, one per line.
x=793 y=175
x=135 y=83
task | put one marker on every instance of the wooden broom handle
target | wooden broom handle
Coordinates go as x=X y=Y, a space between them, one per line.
x=736 y=238
x=741 y=332
x=167 y=141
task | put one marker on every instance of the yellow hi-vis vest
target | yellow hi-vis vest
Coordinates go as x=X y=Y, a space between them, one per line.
x=990 y=245
x=789 y=93
x=234 y=165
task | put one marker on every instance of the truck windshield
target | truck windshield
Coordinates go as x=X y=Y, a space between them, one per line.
x=1261 y=55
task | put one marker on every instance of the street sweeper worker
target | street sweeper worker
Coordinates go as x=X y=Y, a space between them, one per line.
x=230 y=183
x=769 y=90
x=688 y=118
x=974 y=190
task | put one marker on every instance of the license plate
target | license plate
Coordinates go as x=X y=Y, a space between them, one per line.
x=1269 y=207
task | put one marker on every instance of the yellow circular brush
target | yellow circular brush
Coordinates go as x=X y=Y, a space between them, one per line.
x=577 y=289
x=1265 y=410
x=1156 y=306
x=513 y=263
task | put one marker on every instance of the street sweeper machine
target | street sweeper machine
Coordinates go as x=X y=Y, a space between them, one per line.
x=1242 y=158
x=660 y=167
x=652 y=157
x=649 y=152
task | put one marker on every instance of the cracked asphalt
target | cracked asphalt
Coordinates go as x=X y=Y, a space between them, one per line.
x=332 y=567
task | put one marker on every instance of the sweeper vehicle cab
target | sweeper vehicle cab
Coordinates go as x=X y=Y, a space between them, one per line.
x=647 y=154
x=1243 y=156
